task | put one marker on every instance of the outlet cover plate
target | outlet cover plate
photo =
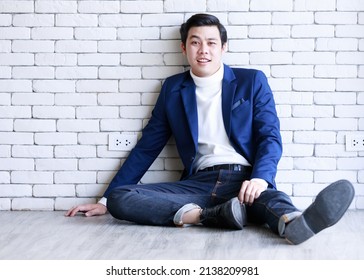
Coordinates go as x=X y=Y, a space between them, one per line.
x=122 y=142
x=354 y=141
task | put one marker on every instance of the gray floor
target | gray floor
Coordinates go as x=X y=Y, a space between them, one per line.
x=51 y=236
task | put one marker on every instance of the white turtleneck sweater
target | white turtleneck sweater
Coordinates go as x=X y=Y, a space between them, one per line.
x=213 y=143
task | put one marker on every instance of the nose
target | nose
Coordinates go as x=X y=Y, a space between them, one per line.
x=203 y=48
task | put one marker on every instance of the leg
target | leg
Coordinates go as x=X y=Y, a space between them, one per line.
x=156 y=204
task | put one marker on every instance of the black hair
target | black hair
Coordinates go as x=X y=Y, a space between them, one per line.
x=202 y=20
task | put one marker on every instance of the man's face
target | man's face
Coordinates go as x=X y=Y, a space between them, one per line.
x=204 y=50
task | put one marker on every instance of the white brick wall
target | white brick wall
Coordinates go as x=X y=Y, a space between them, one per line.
x=71 y=72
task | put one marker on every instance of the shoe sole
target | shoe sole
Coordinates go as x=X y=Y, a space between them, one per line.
x=239 y=213
x=327 y=209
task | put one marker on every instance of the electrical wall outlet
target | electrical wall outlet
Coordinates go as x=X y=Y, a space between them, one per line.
x=354 y=142
x=122 y=142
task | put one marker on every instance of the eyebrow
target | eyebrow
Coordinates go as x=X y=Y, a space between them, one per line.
x=199 y=38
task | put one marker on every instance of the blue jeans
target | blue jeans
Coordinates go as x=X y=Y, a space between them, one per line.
x=156 y=204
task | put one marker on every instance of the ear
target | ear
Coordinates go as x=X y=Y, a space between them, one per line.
x=183 y=47
x=225 y=47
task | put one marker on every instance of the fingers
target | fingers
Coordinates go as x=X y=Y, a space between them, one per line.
x=249 y=191
x=88 y=209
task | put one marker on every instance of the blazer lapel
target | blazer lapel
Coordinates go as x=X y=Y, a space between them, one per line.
x=228 y=93
x=188 y=94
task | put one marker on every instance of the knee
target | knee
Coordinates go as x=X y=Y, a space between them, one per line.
x=117 y=203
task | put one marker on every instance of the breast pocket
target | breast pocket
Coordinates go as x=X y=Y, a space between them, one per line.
x=240 y=104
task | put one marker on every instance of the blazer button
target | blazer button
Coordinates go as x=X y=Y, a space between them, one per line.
x=192 y=159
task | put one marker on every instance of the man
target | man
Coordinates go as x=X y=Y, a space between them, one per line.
x=226 y=130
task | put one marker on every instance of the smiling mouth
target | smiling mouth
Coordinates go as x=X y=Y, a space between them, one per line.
x=203 y=60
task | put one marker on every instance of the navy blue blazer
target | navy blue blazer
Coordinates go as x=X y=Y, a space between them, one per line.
x=249 y=116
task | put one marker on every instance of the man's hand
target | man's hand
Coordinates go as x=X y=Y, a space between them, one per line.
x=95 y=209
x=249 y=191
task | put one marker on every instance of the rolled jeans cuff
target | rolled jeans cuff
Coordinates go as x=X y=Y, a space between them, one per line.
x=285 y=219
x=184 y=209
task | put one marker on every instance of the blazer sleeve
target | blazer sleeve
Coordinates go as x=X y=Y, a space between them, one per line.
x=154 y=137
x=266 y=131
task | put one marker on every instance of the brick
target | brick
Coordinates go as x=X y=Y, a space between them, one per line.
x=336 y=44
x=5 y=151
x=98 y=59
x=34 y=151
x=5 y=72
x=54 y=190
x=118 y=99
x=76 y=99
x=99 y=164
x=266 y=5
x=172 y=6
x=10 y=164
x=75 y=151
x=76 y=72
x=249 y=18
x=76 y=46
x=305 y=84
x=52 y=33
x=349 y=5
x=53 y=86
x=15 y=112
x=4 y=177
x=56 y=164
x=55 y=138
x=315 y=137
x=291 y=18
x=313 y=58
x=293 y=45
x=136 y=112
x=334 y=175
x=99 y=7
x=269 y=31
x=5 y=20
x=8 y=6
x=336 y=18
x=97 y=86
x=33 y=20
x=6 y=125
x=138 y=33
x=141 y=59
x=239 y=59
x=97 y=112
x=336 y=124
x=32 y=177
x=78 y=125
x=160 y=72
x=35 y=204
x=5 y=99
x=56 y=7
x=313 y=111
x=293 y=71
x=350 y=31
x=162 y=19
x=55 y=59
x=312 y=31
x=31 y=72
x=120 y=73
x=341 y=98
x=297 y=123
x=160 y=46
x=311 y=163
x=349 y=111
x=271 y=58
x=14 y=138
x=128 y=46
x=53 y=112
x=75 y=177
x=350 y=84
x=120 y=20
x=349 y=58
x=250 y=45
x=295 y=176
x=95 y=33
x=29 y=125
x=10 y=59
x=121 y=125
x=141 y=7
x=90 y=190
x=5 y=46
x=98 y=138
x=15 y=191
x=73 y=20
x=312 y=5
x=333 y=151
x=230 y=6
x=350 y=163
x=140 y=85
x=32 y=99
x=335 y=71
x=5 y=204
